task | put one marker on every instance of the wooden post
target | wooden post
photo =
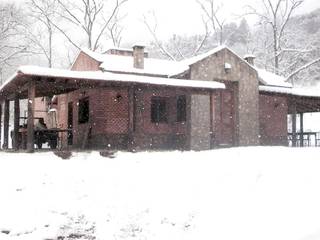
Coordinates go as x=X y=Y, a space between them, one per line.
x=30 y=126
x=16 y=123
x=6 y=124
x=301 y=129
x=131 y=124
x=212 y=138
x=0 y=123
x=294 y=125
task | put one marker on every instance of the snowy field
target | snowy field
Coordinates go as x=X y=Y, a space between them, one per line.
x=256 y=193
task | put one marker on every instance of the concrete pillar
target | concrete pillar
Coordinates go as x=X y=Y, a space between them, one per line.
x=16 y=123
x=6 y=124
x=30 y=126
x=200 y=138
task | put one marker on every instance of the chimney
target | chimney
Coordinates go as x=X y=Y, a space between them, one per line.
x=249 y=58
x=138 y=56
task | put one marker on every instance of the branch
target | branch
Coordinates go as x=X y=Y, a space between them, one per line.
x=157 y=41
x=206 y=35
x=114 y=12
x=303 y=68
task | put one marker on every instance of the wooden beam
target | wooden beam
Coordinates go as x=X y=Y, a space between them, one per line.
x=301 y=129
x=294 y=124
x=0 y=122
x=131 y=112
x=6 y=124
x=30 y=126
x=212 y=114
x=16 y=123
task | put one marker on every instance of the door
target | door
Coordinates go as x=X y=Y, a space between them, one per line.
x=227 y=118
x=70 y=123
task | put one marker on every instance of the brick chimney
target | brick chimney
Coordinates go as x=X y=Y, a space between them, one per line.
x=138 y=56
x=249 y=58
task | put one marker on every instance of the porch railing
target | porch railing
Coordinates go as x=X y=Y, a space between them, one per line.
x=304 y=139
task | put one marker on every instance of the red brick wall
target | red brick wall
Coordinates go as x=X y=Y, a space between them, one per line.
x=107 y=115
x=110 y=119
x=273 y=120
x=158 y=135
x=85 y=63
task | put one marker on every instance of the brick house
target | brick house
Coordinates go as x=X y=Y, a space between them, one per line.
x=125 y=100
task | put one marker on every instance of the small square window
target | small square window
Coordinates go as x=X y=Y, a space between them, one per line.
x=159 y=110
x=83 y=112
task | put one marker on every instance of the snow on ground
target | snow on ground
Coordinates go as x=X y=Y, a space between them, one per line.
x=241 y=193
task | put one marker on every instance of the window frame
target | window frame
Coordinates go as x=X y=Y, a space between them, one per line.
x=159 y=110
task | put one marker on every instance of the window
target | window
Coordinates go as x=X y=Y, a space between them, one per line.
x=83 y=113
x=159 y=110
x=181 y=108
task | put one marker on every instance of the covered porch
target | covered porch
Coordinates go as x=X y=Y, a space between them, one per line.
x=30 y=83
x=300 y=132
x=301 y=107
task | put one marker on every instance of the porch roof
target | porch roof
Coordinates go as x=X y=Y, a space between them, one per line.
x=300 y=100
x=51 y=81
x=294 y=91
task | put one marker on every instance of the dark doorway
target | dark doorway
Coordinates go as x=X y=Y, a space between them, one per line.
x=70 y=123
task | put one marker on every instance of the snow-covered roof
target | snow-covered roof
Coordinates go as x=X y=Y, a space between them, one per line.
x=249 y=56
x=271 y=79
x=294 y=91
x=123 y=49
x=202 y=56
x=112 y=77
x=152 y=66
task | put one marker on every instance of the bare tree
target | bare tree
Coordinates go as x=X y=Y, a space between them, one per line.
x=211 y=10
x=276 y=14
x=13 y=44
x=43 y=12
x=152 y=25
x=92 y=17
x=178 y=47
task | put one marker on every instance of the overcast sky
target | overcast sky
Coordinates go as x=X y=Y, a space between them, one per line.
x=184 y=16
x=180 y=16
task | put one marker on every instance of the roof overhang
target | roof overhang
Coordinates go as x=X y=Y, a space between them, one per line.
x=51 y=81
x=299 y=99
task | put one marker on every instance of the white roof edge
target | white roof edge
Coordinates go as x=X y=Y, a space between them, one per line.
x=291 y=91
x=92 y=54
x=9 y=80
x=107 y=76
x=75 y=59
x=198 y=58
x=271 y=79
x=123 y=49
x=249 y=55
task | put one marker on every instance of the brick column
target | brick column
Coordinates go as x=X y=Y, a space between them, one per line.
x=131 y=109
x=16 y=123
x=0 y=123
x=30 y=127
x=6 y=124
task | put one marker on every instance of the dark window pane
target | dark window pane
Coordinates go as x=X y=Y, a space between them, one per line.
x=159 y=110
x=181 y=109
x=83 y=113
